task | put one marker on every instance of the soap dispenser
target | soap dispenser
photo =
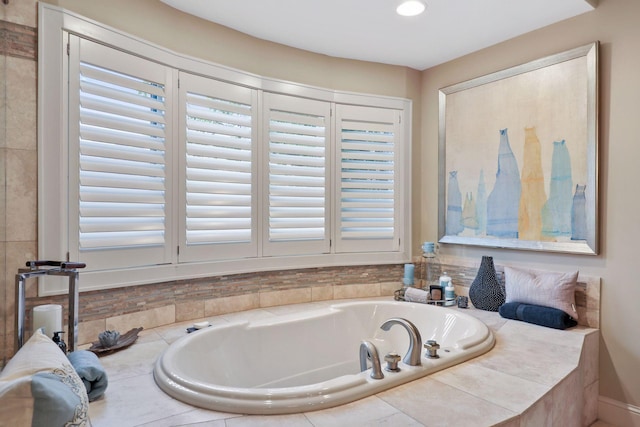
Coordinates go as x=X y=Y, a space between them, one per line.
x=58 y=340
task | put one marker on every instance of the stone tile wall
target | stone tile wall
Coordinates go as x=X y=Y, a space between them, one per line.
x=18 y=157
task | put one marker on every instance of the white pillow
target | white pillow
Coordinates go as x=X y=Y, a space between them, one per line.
x=39 y=386
x=543 y=288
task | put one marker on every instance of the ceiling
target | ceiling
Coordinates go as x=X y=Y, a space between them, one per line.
x=370 y=30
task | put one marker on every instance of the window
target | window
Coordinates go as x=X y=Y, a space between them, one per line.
x=160 y=167
x=218 y=208
x=368 y=179
x=118 y=106
x=297 y=188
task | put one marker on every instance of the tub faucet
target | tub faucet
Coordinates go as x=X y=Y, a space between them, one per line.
x=368 y=351
x=412 y=357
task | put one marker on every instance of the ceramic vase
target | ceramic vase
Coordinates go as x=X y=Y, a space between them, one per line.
x=485 y=292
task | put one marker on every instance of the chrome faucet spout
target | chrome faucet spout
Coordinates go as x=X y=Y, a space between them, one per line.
x=412 y=357
x=368 y=351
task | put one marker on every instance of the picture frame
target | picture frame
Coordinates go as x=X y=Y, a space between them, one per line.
x=518 y=156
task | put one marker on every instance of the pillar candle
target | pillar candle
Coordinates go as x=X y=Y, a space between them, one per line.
x=408 y=275
x=409 y=272
x=49 y=317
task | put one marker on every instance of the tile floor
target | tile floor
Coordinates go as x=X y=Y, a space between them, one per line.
x=458 y=396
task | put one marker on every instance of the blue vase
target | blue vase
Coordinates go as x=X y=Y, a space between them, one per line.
x=486 y=292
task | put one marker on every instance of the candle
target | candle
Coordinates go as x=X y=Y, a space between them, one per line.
x=408 y=274
x=49 y=317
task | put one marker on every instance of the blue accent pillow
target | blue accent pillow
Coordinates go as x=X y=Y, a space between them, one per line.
x=39 y=387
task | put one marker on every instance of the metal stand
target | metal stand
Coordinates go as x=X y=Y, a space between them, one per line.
x=53 y=268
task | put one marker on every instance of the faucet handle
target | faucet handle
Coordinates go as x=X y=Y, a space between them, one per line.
x=392 y=360
x=432 y=347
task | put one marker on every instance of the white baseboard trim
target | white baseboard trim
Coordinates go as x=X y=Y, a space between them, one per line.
x=618 y=413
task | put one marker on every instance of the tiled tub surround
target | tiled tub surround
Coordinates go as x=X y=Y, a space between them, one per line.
x=534 y=376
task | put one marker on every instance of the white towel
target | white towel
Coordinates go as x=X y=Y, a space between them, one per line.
x=415 y=295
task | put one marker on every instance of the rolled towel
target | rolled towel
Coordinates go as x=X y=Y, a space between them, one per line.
x=415 y=295
x=90 y=371
x=537 y=314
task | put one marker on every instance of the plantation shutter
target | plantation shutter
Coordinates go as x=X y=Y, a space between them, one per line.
x=118 y=143
x=296 y=191
x=219 y=206
x=367 y=179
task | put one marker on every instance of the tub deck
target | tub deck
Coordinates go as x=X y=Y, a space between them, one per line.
x=534 y=376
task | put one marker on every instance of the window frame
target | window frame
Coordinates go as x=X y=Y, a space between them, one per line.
x=53 y=155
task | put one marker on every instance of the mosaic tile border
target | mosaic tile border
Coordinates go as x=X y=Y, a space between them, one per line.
x=321 y=283
x=18 y=40
x=463 y=271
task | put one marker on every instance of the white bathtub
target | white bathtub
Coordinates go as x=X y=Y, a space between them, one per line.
x=310 y=360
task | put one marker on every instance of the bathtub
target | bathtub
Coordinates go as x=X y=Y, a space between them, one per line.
x=309 y=360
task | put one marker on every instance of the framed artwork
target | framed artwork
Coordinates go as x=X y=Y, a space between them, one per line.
x=518 y=156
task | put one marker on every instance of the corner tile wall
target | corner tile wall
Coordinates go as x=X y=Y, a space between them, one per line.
x=18 y=159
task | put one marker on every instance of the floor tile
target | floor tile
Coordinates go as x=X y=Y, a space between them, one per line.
x=133 y=401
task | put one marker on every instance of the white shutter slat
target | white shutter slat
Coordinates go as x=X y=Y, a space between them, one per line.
x=112 y=210
x=212 y=199
x=121 y=195
x=206 y=126
x=299 y=181
x=225 y=118
x=92 y=225
x=218 y=140
x=230 y=165
x=294 y=212
x=120 y=152
x=213 y=224
x=129 y=167
x=106 y=107
x=206 y=102
x=295 y=148
x=217 y=151
x=113 y=239
x=116 y=79
x=217 y=188
x=301 y=200
x=89 y=179
x=213 y=211
x=123 y=124
x=120 y=138
x=277 y=190
x=278 y=168
x=220 y=236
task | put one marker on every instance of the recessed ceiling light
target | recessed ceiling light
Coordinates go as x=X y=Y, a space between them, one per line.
x=411 y=8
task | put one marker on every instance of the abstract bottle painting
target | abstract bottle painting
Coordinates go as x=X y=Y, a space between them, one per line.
x=518 y=207
x=504 y=201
